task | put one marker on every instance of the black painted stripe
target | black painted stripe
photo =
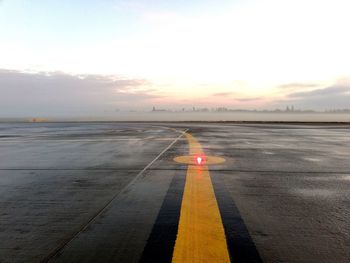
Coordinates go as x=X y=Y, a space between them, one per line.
x=239 y=242
x=161 y=242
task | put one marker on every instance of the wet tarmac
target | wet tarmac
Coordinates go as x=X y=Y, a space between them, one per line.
x=111 y=192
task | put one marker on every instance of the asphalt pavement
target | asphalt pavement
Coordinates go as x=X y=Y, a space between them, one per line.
x=112 y=192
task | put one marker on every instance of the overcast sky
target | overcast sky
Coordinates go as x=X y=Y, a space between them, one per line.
x=90 y=57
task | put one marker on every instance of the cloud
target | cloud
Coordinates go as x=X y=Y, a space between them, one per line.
x=296 y=86
x=222 y=94
x=236 y=96
x=57 y=93
x=329 y=91
x=336 y=96
x=249 y=99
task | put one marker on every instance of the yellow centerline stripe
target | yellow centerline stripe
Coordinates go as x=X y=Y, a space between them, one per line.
x=200 y=236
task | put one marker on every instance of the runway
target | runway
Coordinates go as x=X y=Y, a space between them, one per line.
x=131 y=192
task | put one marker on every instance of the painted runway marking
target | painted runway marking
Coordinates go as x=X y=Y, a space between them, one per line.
x=198 y=220
x=160 y=244
x=201 y=235
x=240 y=244
x=198 y=160
x=31 y=140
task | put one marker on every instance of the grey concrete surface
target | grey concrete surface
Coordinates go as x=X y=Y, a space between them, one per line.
x=73 y=192
x=55 y=177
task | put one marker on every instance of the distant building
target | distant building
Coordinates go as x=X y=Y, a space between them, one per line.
x=38 y=120
x=157 y=110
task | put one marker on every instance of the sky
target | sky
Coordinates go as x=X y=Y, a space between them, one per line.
x=92 y=57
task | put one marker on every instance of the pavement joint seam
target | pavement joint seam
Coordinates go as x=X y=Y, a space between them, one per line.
x=178 y=169
x=64 y=244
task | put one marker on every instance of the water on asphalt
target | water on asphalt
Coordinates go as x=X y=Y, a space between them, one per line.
x=79 y=192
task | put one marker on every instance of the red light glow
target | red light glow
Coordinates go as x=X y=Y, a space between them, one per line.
x=199 y=159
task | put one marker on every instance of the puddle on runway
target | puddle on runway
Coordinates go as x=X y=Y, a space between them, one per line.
x=328 y=178
x=346 y=177
x=312 y=159
x=322 y=193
